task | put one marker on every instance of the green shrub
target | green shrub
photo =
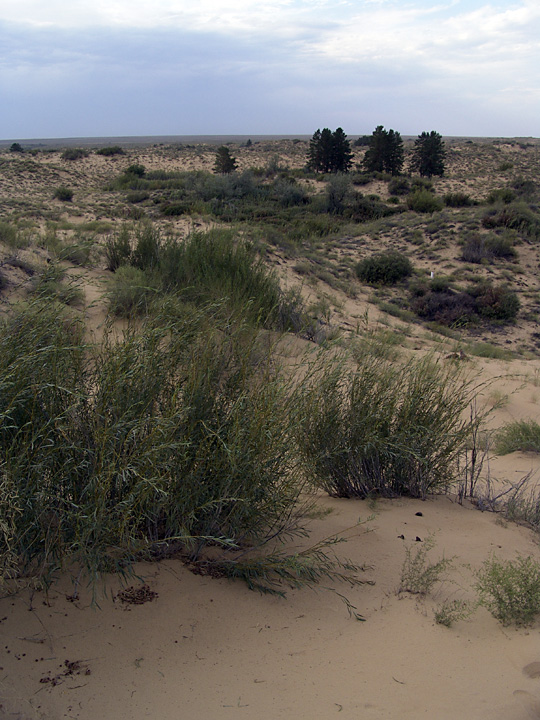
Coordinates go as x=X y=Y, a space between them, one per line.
x=215 y=265
x=418 y=575
x=146 y=253
x=368 y=208
x=452 y=611
x=136 y=170
x=384 y=268
x=53 y=284
x=16 y=148
x=78 y=252
x=456 y=308
x=424 y=201
x=64 y=194
x=510 y=590
x=479 y=248
x=74 y=154
x=521 y=435
x=516 y=216
x=502 y=195
x=495 y=302
x=173 y=436
x=447 y=307
x=399 y=186
x=130 y=292
x=421 y=183
x=9 y=234
x=137 y=196
x=387 y=427
x=118 y=249
x=458 y=199
x=111 y=150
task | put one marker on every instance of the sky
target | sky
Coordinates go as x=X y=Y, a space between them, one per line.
x=94 y=68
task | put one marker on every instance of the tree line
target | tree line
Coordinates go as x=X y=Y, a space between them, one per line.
x=330 y=152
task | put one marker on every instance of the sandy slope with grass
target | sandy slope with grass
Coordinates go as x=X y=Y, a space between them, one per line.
x=172 y=644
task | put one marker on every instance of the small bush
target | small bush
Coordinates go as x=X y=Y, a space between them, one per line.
x=399 y=186
x=479 y=248
x=172 y=435
x=16 y=148
x=521 y=435
x=389 y=427
x=9 y=234
x=420 y=183
x=424 y=201
x=418 y=576
x=510 y=590
x=458 y=199
x=74 y=154
x=452 y=611
x=136 y=170
x=137 y=196
x=52 y=284
x=495 y=302
x=146 y=253
x=78 y=253
x=384 y=268
x=118 y=249
x=517 y=216
x=447 y=307
x=111 y=150
x=63 y=194
x=502 y=195
x=130 y=292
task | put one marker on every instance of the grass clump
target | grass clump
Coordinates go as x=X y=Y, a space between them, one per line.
x=452 y=611
x=483 y=249
x=9 y=234
x=130 y=292
x=384 y=268
x=110 y=150
x=521 y=435
x=457 y=200
x=510 y=590
x=424 y=201
x=204 y=267
x=385 y=427
x=457 y=308
x=418 y=575
x=173 y=436
x=74 y=154
x=63 y=194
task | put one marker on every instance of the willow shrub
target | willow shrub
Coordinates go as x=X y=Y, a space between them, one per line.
x=380 y=426
x=174 y=434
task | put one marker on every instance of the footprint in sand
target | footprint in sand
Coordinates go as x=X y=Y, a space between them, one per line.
x=529 y=702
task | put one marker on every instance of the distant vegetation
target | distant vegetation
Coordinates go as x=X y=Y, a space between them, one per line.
x=111 y=150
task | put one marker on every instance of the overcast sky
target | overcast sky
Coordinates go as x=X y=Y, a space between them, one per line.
x=72 y=68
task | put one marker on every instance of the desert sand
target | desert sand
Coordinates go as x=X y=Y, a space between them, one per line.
x=172 y=644
x=210 y=648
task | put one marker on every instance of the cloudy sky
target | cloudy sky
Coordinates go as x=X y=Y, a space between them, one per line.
x=72 y=68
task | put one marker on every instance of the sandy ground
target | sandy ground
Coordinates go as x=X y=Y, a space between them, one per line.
x=206 y=648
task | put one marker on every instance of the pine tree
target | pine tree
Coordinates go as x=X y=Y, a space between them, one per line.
x=429 y=154
x=329 y=152
x=224 y=163
x=385 y=152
